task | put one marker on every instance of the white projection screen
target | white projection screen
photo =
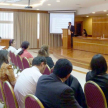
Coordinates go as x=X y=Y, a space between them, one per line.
x=59 y=21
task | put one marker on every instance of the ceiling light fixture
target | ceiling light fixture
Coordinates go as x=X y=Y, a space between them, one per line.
x=87 y=16
x=104 y=10
x=49 y=4
x=107 y=14
x=37 y=9
x=58 y=1
x=93 y=12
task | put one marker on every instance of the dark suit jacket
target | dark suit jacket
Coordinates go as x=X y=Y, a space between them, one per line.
x=72 y=29
x=101 y=80
x=55 y=94
x=50 y=62
x=78 y=91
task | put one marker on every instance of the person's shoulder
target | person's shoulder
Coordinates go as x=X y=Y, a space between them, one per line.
x=8 y=66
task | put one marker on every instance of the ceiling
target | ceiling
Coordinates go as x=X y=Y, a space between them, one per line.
x=82 y=6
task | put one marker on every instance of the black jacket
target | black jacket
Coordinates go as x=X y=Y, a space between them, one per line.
x=101 y=80
x=55 y=94
x=72 y=29
x=78 y=91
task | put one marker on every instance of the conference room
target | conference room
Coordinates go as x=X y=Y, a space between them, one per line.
x=48 y=46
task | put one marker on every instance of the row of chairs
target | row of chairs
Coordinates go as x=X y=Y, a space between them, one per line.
x=23 y=63
x=7 y=97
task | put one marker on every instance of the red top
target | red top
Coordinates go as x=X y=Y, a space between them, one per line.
x=26 y=54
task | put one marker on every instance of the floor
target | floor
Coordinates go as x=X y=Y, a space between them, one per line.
x=78 y=72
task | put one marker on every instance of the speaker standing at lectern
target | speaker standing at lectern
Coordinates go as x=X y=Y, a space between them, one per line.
x=72 y=30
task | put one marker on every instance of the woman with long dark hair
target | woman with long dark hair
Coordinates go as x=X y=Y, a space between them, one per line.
x=98 y=73
x=6 y=71
x=24 y=52
x=84 y=33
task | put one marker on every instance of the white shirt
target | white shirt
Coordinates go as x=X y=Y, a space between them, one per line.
x=12 y=49
x=19 y=50
x=26 y=84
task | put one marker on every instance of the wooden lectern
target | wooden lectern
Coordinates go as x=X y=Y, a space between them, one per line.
x=66 y=39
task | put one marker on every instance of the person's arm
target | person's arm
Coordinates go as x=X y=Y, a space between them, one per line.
x=68 y=100
x=10 y=74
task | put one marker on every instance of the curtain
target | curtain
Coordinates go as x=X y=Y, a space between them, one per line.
x=25 y=28
x=53 y=40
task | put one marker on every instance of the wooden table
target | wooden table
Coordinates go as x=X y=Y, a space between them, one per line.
x=5 y=42
x=97 y=45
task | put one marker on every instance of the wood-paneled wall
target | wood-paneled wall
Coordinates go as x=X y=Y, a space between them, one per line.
x=100 y=26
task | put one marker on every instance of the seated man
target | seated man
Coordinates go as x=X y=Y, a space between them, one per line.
x=78 y=91
x=27 y=81
x=51 y=90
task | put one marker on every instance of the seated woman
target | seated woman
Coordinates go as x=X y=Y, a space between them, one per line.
x=24 y=52
x=78 y=91
x=6 y=71
x=84 y=33
x=49 y=60
x=12 y=45
x=98 y=73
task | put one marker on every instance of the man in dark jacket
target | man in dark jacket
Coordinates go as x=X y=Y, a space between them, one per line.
x=51 y=90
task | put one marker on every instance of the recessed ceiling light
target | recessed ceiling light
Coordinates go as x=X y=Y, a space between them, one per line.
x=49 y=4
x=93 y=12
x=37 y=9
x=107 y=14
x=104 y=10
x=87 y=16
x=58 y=1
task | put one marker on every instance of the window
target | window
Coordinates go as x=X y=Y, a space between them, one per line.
x=6 y=25
x=38 y=25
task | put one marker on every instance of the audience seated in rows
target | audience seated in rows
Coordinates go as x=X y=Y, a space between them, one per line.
x=49 y=60
x=98 y=73
x=24 y=52
x=12 y=45
x=6 y=71
x=51 y=90
x=78 y=91
x=27 y=81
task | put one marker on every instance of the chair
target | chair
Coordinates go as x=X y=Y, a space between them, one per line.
x=11 y=56
x=32 y=101
x=19 y=62
x=26 y=63
x=94 y=95
x=52 y=70
x=2 y=96
x=47 y=70
x=10 y=96
x=15 y=60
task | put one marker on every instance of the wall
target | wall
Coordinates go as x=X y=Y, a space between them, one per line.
x=100 y=26
x=87 y=24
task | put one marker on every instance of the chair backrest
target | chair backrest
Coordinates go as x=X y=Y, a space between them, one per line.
x=47 y=70
x=94 y=95
x=10 y=96
x=1 y=91
x=26 y=63
x=15 y=59
x=19 y=61
x=52 y=70
x=11 y=56
x=32 y=101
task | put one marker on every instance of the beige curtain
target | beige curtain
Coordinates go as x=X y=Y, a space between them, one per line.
x=53 y=40
x=25 y=28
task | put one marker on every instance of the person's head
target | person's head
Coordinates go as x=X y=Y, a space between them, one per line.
x=40 y=63
x=4 y=57
x=98 y=64
x=46 y=48
x=24 y=46
x=42 y=52
x=12 y=42
x=69 y=23
x=62 y=69
x=84 y=30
